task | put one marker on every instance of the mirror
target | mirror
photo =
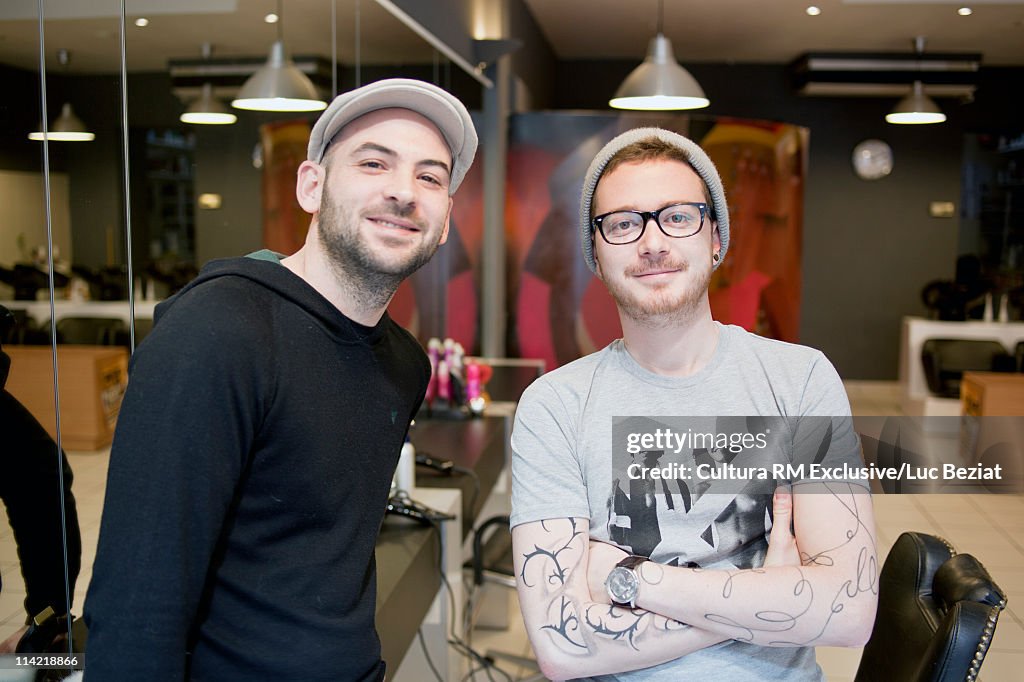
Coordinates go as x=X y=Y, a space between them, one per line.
x=136 y=221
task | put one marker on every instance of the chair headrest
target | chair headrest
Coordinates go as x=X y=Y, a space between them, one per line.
x=963 y=578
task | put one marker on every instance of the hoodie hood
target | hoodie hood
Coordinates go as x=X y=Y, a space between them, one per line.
x=282 y=282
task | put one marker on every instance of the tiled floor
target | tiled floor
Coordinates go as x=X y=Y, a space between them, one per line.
x=990 y=527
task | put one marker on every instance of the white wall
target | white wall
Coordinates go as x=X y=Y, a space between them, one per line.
x=23 y=215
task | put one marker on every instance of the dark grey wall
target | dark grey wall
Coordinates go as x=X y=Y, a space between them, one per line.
x=869 y=247
x=533 y=63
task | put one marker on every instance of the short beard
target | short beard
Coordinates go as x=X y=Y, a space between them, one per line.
x=372 y=281
x=658 y=308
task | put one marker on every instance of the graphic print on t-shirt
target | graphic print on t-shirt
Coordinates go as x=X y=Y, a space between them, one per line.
x=697 y=491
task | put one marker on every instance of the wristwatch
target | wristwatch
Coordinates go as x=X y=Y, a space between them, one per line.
x=623 y=582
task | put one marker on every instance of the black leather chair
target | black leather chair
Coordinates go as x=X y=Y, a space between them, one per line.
x=89 y=331
x=937 y=613
x=946 y=360
x=22 y=330
x=143 y=326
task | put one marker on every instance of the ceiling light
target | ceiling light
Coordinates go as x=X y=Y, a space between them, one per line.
x=813 y=11
x=279 y=85
x=965 y=11
x=208 y=110
x=142 y=22
x=916 y=108
x=659 y=83
x=67 y=127
x=271 y=18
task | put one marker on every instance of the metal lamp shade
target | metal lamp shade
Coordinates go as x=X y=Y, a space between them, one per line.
x=279 y=86
x=66 y=128
x=916 y=108
x=208 y=110
x=659 y=83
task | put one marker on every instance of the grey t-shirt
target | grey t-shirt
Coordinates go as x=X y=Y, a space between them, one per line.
x=564 y=464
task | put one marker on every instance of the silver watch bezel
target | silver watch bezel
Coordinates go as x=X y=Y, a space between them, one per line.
x=627 y=599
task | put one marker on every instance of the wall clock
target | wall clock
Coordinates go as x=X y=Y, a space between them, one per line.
x=872 y=159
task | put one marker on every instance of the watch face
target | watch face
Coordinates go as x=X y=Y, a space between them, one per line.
x=622 y=585
x=872 y=159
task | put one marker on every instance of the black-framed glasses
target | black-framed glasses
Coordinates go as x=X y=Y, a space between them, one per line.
x=675 y=220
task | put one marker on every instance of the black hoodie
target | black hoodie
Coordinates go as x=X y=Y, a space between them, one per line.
x=248 y=477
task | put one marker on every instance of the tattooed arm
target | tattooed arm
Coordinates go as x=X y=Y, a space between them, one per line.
x=827 y=600
x=573 y=629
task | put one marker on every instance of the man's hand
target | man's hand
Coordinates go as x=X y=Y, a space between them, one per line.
x=782 y=549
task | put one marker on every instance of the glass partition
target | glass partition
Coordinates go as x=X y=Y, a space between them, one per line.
x=129 y=215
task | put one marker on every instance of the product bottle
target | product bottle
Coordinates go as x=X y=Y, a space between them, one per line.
x=405 y=474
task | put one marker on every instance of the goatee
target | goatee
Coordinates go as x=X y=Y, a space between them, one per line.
x=658 y=306
x=371 y=277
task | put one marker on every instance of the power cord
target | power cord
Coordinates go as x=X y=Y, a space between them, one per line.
x=482 y=662
x=447 y=468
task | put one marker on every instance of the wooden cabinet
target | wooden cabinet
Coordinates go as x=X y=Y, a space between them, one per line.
x=992 y=394
x=92 y=383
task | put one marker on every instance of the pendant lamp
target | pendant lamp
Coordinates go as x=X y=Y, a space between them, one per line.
x=659 y=83
x=67 y=127
x=916 y=107
x=207 y=109
x=279 y=85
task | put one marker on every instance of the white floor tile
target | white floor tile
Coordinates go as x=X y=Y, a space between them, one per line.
x=1009 y=636
x=838 y=663
x=1002 y=667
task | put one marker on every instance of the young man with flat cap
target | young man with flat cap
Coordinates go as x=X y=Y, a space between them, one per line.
x=644 y=550
x=264 y=417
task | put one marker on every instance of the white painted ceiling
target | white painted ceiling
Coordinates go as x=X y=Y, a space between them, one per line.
x=768 y=31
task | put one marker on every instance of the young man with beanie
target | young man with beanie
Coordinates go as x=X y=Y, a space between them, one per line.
x=639 y=555
x=264 y=417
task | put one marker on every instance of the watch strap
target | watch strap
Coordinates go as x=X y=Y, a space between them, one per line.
x=632 y=561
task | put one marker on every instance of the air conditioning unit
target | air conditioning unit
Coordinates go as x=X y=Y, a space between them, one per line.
x=228 y=74
x=859 y=74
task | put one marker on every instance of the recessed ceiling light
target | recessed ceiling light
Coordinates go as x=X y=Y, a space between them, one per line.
x=813 y=11
x=270 y=18
x=965 y=11
x=142 y=22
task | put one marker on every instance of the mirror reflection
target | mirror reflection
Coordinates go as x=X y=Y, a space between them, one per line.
x=131 y=197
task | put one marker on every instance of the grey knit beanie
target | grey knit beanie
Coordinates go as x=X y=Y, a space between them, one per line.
x=698 y=160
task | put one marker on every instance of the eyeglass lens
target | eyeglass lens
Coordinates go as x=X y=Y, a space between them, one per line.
x=680 y=220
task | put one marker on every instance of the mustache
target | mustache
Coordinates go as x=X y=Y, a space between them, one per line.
x=395 y=208
x=398 y=210
x=664 y=263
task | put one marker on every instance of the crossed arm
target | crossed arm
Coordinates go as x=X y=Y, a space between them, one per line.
x=824 y=595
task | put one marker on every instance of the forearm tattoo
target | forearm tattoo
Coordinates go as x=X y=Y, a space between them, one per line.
x=576 y=626
x=805 y=603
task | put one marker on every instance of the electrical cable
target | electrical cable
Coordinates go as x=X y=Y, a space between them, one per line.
x=426 y=655
x=454 y=640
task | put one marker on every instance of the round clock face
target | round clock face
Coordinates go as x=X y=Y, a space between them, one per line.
x=872 y=159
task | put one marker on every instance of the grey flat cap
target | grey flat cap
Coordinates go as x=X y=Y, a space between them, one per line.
x=439 y=106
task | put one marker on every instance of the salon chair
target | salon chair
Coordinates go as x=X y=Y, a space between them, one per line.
x=89 y=331
x=143 y=326
x=937 y=613
x=946 y=360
